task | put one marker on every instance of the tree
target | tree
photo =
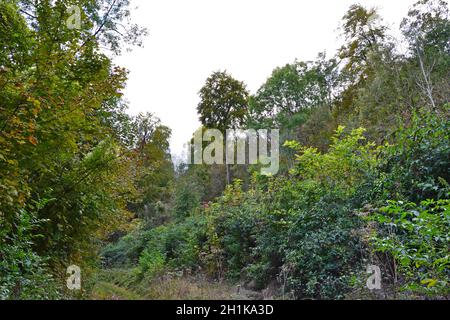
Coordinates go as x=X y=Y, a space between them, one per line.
x=153 y=167
x=60 y=144
x=427 y=25
x=363 y=32
x=427 y=29
x=223 y=104
x=292 y=91
x=290 y=96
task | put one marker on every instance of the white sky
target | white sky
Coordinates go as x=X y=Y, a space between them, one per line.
x=189 y=39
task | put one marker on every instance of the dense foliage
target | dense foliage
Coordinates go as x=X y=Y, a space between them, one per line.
x=312 y=230
x=364 y=177
x=71 y=160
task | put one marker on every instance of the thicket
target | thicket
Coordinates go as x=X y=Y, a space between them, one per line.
x=364 y=177
x=73 y=164
x=309 y=230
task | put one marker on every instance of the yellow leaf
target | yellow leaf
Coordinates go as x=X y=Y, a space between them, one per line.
x=429 y=282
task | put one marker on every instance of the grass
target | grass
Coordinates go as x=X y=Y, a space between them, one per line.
x=125 y=284
x=109 y=291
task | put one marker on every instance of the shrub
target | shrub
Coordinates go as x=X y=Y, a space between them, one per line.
x=297 y=229
x=417 y=236
x=417 y=166
x=23 y=273
x=151 y=262
x=124 y=252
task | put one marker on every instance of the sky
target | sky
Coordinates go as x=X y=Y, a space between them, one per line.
x=190 y=39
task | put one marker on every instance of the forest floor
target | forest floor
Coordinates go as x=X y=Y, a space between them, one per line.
x=122 y=284
x=116 y=285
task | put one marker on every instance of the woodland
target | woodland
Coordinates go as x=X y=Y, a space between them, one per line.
x=363 y=180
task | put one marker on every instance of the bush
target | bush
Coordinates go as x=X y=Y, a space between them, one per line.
x=417 y=236
x=297 y=229
x=302 y=229
x=417 y=166
x=151 y=262
x=178 y=242
x=124 y=252
x=23 y=273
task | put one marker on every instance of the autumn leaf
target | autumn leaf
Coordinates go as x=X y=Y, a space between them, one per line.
x=33 y=140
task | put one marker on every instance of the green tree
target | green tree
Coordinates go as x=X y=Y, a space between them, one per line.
x=154 y=168
x=223 y=104
x=59 y=137
x=292 y=91
x=427 y=29
x=363 y=32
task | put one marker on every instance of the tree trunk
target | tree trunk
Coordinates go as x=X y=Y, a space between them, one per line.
x=228 y=174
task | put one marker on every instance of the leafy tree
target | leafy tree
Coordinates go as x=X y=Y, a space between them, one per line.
x=427 y=26
x=223 y=104
x=419 y=243
x=59 y=137
x=290 y=96
x=23 y=273
x=154 y=168
x=427 y=29
x=363 y=32
x=292 y=91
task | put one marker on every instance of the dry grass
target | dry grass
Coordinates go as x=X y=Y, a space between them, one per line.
x=116 y=285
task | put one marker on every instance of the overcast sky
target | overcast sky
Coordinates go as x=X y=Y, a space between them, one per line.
x=189 y=39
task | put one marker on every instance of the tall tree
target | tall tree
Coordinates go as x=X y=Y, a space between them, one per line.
x=223 y=104
x=363 y=33
x=153 y=167
x=293 y=90
x=427 y=29
x=62 y=160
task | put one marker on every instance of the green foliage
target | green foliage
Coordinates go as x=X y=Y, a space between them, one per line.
x=323 y=251
x=151 y=262
x=303 y=228
x=290 y=97
x=65 y=136
x=23 y=273
x=417 y=166
x=125 y=252
x=178 y=242
x=300 y=228
x=190 y=189
x=363 y=33
x=291 y=92
x=417 y=236
x=223 y=102
x=153 y=167
x=347 y=163
x=173 y=246
x=427 y=25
